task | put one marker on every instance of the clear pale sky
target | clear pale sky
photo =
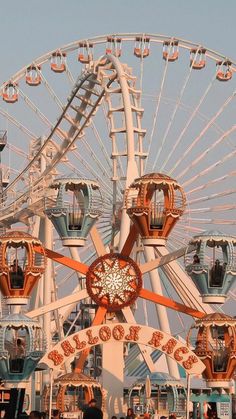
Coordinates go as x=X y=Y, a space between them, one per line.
x=29 y=27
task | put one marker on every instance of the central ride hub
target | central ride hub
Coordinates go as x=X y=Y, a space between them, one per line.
x=114 y=281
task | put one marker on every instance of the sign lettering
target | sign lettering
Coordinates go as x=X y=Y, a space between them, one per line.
x=124 y=332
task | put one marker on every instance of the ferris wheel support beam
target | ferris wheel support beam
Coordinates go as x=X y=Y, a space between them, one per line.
x=113 y=372
x=161 y=311
x=132 y=169
x=153 y=264
x=97 y=241
x=129 y=243
x=183 y=284
x=47 y=236
x=62 y=302
x=144 y=350
x=98 y=319
x=35 y=296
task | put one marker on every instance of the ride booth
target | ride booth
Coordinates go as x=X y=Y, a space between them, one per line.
x=211 y=403
x=159 y=392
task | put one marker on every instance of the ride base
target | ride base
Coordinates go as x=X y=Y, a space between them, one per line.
x=22 y=301
x=154 y=241
x=73 y=241
x=213 y=299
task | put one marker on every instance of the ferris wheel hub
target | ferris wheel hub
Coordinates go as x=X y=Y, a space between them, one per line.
x=114 y=281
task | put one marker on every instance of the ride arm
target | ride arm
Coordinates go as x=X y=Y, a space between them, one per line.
x=167 y=302
x=63 y=260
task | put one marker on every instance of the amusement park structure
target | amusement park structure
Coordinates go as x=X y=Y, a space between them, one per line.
x=117 y=246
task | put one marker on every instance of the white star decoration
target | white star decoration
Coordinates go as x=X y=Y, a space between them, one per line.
x=114 y=280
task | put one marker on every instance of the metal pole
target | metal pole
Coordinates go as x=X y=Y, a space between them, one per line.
x=188 y=395
x=47 y=280
x=160 y=310
x=32 y=398
x=46 y=236
x=50 y=394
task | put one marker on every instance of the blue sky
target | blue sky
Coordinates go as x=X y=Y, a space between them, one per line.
x=30 y=28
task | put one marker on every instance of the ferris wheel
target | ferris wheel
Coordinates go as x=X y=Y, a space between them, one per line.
x=100 y=128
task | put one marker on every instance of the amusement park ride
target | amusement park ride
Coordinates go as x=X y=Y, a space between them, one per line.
x=130 y=217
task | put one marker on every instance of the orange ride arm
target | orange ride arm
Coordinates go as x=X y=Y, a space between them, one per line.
x=129 y=243
x=98 y=319
x=167 y=302
x=64 y=260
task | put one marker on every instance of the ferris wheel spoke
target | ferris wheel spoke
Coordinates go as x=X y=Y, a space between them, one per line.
x=141 y=72
x=141 y=65
x=102 y=147
x=153 y=264
x=98 y=319
x=107 y=230
x=18 y=124
x=90 y=168
x=179 y=314
x=74 y=169
x=150 y=140
x=182 y=228
x=51 y=91
x=96 y=160
x=171 y=118
x=213 y=196
x=69 y=74
x=192 y=116
x=62 y=302
x=204 y=154
x=216 y=208
x=167 y=302
x=204 y=130
x=206 y=185
x=216 y=221
x=66 y=278
x=182 y=285
x=224 y=159
x=178 y=236
x=177 y=106
x=17 y=150
x=35 y=109
x=175 y=243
